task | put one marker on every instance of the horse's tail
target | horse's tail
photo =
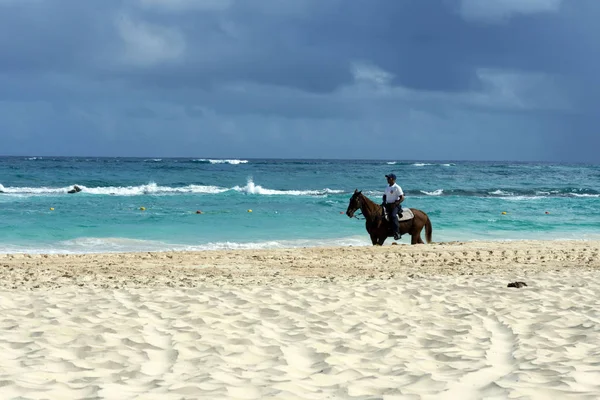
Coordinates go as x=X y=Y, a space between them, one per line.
x=428 y=229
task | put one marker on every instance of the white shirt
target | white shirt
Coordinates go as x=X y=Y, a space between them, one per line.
x=393 y=193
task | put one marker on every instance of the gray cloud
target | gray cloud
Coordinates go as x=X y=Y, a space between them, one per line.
x=502 y=10
x=305 y=78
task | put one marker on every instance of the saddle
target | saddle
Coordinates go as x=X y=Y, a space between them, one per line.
x=404 y=215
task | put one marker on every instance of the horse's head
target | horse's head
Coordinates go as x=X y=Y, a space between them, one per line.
x=356 y=202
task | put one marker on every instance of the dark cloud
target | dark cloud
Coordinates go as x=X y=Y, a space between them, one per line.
x=302 y=78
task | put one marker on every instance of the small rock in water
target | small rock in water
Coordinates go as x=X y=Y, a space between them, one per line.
x=76 y=189
x=517 y=285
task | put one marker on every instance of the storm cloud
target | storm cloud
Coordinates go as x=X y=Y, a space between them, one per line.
x=386 y=79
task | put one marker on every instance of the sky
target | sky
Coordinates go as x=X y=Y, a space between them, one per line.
x=514 y=80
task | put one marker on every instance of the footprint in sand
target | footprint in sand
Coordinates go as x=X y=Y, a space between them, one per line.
x=500 y=362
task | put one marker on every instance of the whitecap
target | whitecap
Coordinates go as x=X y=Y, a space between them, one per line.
x=437 y=192
x=153 y=188
x=33 y=190
x=501 y=193
x=252 y=188
x=222 y=161
x=150 y=188
x=431 y=164
x=522 y=198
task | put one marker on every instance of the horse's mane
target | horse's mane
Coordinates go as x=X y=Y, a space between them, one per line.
x=367 y=198
x=373 y=207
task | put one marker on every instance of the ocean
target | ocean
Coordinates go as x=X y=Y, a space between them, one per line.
x=145 y=204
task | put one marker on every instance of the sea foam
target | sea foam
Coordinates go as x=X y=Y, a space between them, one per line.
x=152 y=188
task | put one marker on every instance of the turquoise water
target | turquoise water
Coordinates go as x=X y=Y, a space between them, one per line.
x=293 y=202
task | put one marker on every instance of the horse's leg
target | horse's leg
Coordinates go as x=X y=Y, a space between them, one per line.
x=413 y=238
x=416 y=234
x=374 y=239
x=408 y=228
x=381 y=235
x=414 y=230
x=421 y=226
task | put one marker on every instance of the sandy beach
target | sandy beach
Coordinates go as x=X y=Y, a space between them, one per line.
x=395 y=322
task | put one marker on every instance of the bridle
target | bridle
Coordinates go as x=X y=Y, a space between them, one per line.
x=355 y=211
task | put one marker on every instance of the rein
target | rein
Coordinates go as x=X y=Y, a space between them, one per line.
x=357 y=217
x=360 y=209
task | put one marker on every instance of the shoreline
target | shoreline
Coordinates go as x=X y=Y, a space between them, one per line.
x=186 y=269
x=123 y=245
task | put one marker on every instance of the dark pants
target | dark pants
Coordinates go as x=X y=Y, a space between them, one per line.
x=393 y=210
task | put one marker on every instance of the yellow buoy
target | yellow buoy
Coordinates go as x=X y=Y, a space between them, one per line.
x=143 y=208
x=503 y=212
x=51 y=208
x=249 y=210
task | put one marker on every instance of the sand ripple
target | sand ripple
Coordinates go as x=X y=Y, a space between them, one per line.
x=430 y=338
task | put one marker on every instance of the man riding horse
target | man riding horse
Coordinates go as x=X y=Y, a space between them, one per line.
x=391 y=202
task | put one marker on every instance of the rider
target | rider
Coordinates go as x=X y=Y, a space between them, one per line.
x=392 y=198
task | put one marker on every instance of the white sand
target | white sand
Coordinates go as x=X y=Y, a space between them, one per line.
x=398 y=322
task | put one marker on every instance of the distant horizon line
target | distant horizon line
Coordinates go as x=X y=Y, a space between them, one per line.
x=304 y=159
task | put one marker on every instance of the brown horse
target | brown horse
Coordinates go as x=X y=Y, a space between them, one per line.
x=379 y=228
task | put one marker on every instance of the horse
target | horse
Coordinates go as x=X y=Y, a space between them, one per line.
x=380 y=229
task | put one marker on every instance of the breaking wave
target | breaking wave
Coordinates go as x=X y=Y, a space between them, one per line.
x=438 y=192
x=155 y=189
x=220 y=161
